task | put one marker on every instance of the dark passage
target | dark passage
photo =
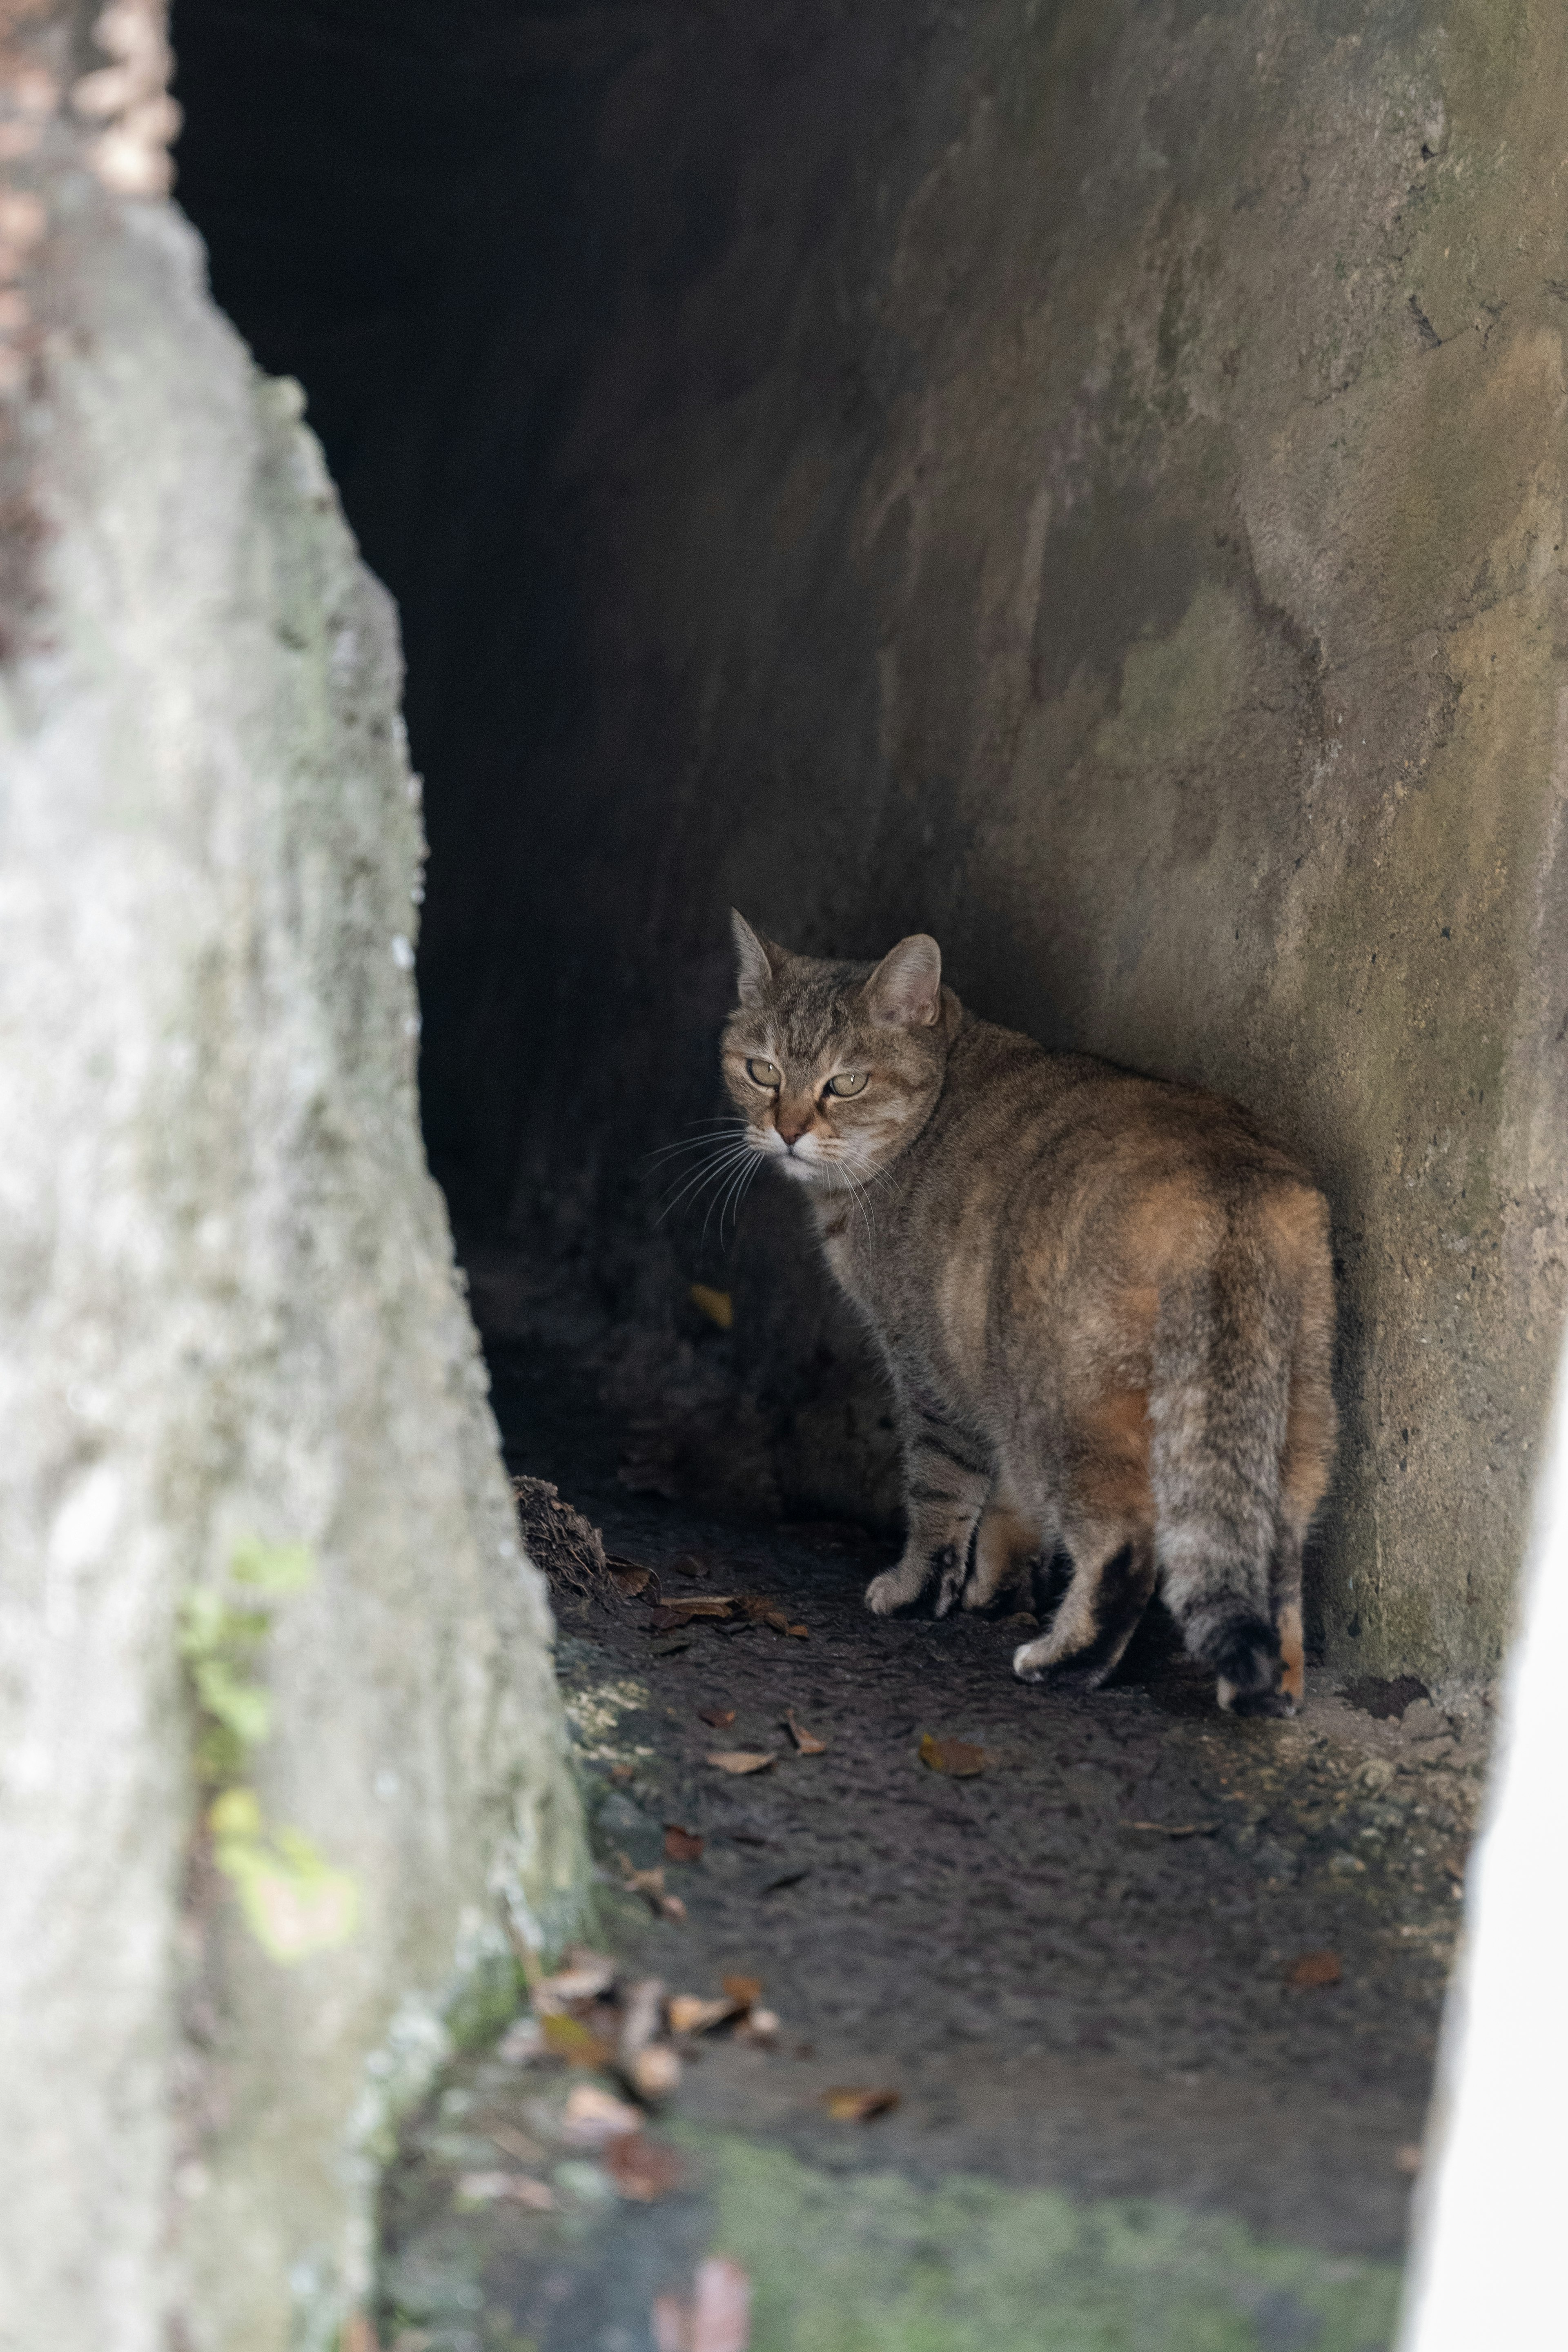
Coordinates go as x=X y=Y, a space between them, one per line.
x=827 y=458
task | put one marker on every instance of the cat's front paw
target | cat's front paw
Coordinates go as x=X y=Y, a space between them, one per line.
x=1032 y=1661
x=895 y=1590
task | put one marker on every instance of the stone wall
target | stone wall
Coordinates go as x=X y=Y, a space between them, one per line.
x=258 y=1549
x=1085 y=479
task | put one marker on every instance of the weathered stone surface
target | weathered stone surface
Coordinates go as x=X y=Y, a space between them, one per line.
x=228 y=1311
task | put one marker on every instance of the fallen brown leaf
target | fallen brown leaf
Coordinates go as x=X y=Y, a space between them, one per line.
x=692 y=1564
x=591 y=2116
x=672 y=1614
x=569 y=2038
x=717 y=2320
x=586 y=1976
x=798 y=1632
x=720 y=1718
x=956 y=1758
x=649 y=1884
x=806 y=1742
x=744 y=1991
x=627 y=1576
x=642 y=2014
x=516 y=2187
x=855 y=2104
x=642 y=2170
x=690 y=2013
x=681 y=1845
x=1177 y=1828
x=655 y=2072
x=1314 y=1968
x=763 y=1612
x=741 y=1759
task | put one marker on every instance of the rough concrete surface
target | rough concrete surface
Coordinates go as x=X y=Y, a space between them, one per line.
x=228 y=1318
x=1083 y=479
x=1125 y=2122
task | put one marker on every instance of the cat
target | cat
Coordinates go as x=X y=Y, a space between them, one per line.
x=1106 y=1304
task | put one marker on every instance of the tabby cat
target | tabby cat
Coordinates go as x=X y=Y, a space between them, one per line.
x=1106 y=1305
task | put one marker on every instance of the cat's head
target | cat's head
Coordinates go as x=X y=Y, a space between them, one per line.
x=834 y=1068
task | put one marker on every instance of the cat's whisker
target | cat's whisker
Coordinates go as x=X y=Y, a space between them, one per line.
x=694 y=1143
x=710 y=1172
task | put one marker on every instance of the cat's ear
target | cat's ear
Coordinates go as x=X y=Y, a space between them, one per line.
x=905 y=990
x=756 y=961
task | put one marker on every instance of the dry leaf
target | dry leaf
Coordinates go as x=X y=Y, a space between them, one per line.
x=1177 y=1828
x=692 y=1563
x=649 y=1884
x=806 y=1742
x=591 y=2116
x=956 y=1758
x=717 y=1305
x=655 y=2072
x=717 y=2320
x=516 y=2187
x=744 y=1991
x=720 y=1718
x=586 y=1976
x=741 y=1759
x=798 y=1632
x=671 y=1615
x=681 y=1845
x=569 y=2038
x=642 y=2013
x=628 y=1578
x=857 y=2104
x=642 y=2170
x=1314 y=1968
x=690 y=2013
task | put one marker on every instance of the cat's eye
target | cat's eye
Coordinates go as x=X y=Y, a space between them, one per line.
x=762 y=1074
x=848 y=1082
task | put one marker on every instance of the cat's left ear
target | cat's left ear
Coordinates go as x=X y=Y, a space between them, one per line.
x=905 y=990
x=756 y=961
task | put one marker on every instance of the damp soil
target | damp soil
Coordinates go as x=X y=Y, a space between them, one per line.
x=1078 y=1968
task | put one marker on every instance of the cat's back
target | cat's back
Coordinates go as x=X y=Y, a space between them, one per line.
x=1012 y=1114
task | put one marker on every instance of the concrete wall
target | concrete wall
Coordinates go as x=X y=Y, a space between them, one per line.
x=228 y=1316
x=1082 y=477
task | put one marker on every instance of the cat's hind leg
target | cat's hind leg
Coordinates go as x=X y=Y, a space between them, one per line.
x=1113 y=1583
x=1108 y=1526
x=947 y=1476
x=1007 y=1542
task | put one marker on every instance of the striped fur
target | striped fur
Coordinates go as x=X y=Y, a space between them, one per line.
x=1106 y=1306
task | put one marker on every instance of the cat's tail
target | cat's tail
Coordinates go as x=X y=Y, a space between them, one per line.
x=1218 y=1407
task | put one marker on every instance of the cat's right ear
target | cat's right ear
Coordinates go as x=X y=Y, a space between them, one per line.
x=905 y=990
x=756 y=961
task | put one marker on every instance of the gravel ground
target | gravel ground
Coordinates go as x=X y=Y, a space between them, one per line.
x=1078 y=1968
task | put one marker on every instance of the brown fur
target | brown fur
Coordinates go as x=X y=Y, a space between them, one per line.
x=1106 y=1306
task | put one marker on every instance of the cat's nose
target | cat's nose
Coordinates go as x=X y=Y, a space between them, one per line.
x=792 y=1130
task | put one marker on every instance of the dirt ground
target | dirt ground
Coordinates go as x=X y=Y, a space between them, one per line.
x=1158 y=1991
